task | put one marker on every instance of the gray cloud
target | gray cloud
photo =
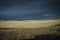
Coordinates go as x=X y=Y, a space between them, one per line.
x=28 y=9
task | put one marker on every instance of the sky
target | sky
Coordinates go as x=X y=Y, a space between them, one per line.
x=29 y=9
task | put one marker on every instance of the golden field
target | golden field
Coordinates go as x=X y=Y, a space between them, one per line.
x=28 y=23
x=18 y=30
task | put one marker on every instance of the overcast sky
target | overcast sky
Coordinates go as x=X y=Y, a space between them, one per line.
x=29 y=9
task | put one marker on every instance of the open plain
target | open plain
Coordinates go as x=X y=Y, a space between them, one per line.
x=28 y=29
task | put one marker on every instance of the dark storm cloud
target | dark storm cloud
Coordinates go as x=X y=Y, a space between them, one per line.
x=29 y=9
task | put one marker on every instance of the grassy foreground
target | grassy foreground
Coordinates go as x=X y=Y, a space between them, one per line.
x=18 y=30
x=18 y=33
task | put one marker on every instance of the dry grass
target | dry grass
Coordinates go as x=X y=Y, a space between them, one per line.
x=16 y=30
x=28 y=23
x=18 y=33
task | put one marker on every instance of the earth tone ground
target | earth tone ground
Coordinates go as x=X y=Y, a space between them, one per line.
x=28 y=23
x=17 y=30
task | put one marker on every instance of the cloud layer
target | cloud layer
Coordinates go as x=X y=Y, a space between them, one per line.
x=29 y=9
